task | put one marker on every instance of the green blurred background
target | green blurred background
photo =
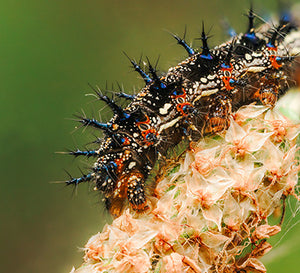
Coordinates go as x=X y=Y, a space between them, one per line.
x=49 y=51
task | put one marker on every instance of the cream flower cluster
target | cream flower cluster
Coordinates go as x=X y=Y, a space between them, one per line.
x=212 y=209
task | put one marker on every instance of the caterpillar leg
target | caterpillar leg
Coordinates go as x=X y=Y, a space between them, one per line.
x=217 y=117
x=136 y=191
x=131 y=187
x=267 y=92
x=269 y=89
x=268 y=96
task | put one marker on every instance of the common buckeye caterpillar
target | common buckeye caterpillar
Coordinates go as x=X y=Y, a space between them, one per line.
x=193 y=99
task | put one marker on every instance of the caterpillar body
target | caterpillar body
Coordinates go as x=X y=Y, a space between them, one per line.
x=193 y=99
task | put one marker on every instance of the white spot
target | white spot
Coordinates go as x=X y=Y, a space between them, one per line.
x=131 y=165
x=209 y=92
x=169 y=124
x=254 y=54
x=195 y=85
x=203 y=80
x=256 y=69
x=135 y=135
x=248 y=57
x=164 y=110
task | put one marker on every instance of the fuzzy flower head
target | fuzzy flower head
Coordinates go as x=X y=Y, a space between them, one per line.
x=211 y=211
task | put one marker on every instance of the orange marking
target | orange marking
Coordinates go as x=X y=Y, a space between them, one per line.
x=119 y=163
x=227 y=83
x=180 y=106
x=147 y=121
x=274 y=63
x=226 y=79
x=257 y=94
x=127 y=152
x=142 y=94
x=126 y=142
x=272 y=48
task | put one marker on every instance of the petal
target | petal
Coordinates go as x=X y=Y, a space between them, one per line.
x=234 y=132
x=253 y=265
x=173 y=263
x=256 y=140
x=250 y=111
x=214 y=214
x=265 y=231
x=213 y=240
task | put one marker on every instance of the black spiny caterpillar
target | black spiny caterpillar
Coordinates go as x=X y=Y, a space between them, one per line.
x=193 y=99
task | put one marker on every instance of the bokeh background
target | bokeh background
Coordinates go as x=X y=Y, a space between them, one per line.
x=49 y=52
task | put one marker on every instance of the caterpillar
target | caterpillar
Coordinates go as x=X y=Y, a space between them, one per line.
x=193 y=99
